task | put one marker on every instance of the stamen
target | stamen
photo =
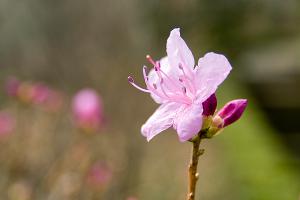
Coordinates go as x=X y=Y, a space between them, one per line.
x=145 y=68
x=162 y=88
x=145 y=73
x=189 y=82
x=153 y=88
x=161 y=80
x=131 y=81
x=189 y=70
x=173 y=82
x=158 y=64
x=181 y=68
x=168 y=86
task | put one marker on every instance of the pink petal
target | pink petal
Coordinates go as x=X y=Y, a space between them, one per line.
x=153 y=78
x=178 y=52
x=161 y=120
x=189 y=122
x=167 y=68
x=211 y=71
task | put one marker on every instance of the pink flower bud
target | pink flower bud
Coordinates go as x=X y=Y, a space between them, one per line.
x=87 y=110
x=230 y=113
x=209 y=105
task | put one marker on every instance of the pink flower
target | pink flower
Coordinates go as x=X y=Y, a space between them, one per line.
x=87 y=109
x=180 y=88
x=7 y=124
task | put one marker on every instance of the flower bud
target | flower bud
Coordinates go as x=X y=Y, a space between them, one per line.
x=87 y=110
x=209 y=105
x=230 y=113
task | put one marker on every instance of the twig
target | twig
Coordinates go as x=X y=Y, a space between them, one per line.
x=193 y=174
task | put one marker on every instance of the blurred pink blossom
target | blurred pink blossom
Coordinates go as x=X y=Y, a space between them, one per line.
x=87 y=110
x=99 y=175
x=12 y=86
x=39 y=93
x=55 y=101
x=34 y=93
x=7 y=123
x=20 y=190
x=181 y=88
x=45 y=97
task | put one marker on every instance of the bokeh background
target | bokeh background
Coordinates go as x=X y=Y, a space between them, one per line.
x=71 y=44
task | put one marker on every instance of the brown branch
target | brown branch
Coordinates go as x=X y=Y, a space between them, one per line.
x=193 y=174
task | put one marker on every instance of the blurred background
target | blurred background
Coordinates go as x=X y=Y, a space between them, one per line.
x=52 y=49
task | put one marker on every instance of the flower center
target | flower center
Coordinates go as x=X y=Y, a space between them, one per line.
x=168 y=87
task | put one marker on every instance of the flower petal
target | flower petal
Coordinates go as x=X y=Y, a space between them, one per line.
x=211 y=71
x=161 y=120
x=167 y=69
x=178 y=52
x=188 y=122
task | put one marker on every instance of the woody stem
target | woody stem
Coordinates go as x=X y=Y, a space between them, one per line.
x=193 y=174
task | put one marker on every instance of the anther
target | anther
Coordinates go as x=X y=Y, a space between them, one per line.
x=184 y=90
x=180 y=66
x=130 y=79
x=155 y=86
x=145 y=68
x=158 y=64
x=150 y=60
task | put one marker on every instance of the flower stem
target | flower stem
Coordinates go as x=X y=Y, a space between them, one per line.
x=193 y=174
